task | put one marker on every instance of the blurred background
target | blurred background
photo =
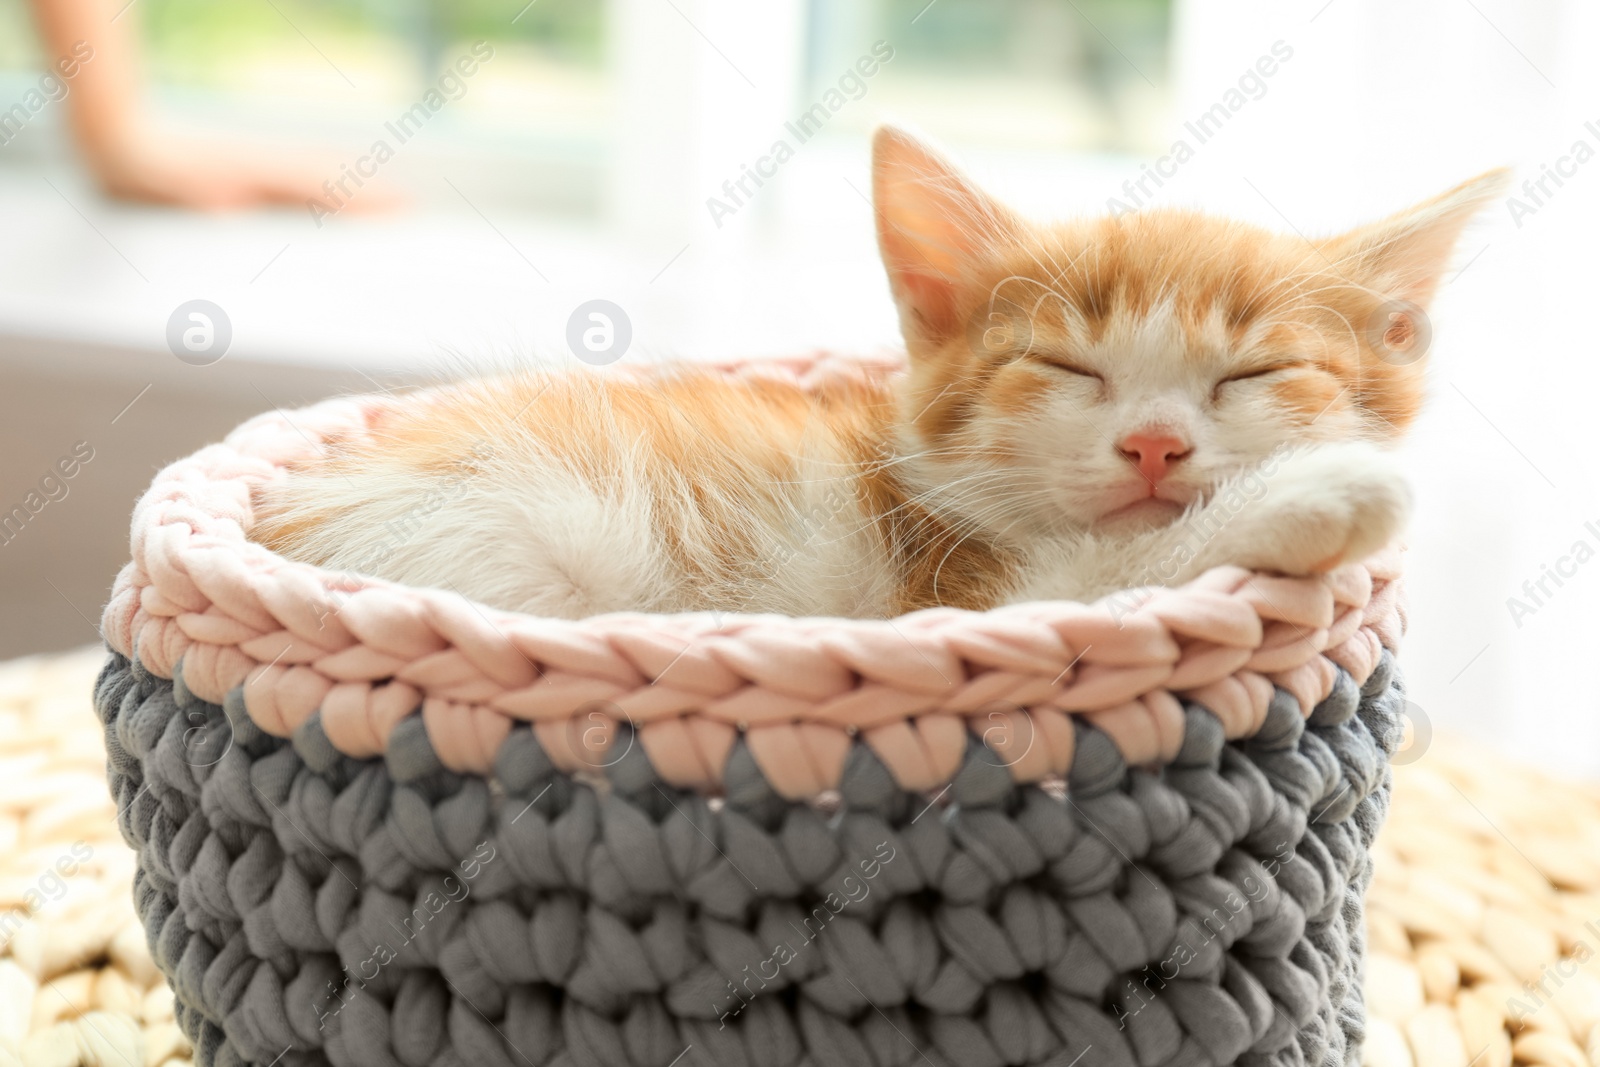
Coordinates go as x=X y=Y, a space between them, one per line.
x=577 y=161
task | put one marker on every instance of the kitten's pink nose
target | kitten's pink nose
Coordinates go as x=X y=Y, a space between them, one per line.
x=1153 y=453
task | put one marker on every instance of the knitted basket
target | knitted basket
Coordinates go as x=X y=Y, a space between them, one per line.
x=384 y=826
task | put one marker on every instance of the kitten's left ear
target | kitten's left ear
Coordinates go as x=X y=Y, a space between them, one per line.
x=932 y=223
x=1406 y=254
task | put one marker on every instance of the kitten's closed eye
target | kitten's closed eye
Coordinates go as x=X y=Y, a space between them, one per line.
x=1258 y=372
x=1064 y=363
x=1252 y=374
x=1009 y=339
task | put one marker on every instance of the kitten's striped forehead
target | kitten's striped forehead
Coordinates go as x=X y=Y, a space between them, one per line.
x=1185 y=285
x=1173 y=328
x=1205 y=273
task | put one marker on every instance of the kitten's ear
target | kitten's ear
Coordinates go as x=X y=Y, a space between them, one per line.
x=932 y=221
x=1406 y=254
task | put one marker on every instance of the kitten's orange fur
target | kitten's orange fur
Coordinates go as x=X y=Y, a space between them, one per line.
x=995 y=469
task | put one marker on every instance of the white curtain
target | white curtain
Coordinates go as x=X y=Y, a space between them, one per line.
x=1383 y=104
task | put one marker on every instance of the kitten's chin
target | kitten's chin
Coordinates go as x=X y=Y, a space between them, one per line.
x=1140 y=515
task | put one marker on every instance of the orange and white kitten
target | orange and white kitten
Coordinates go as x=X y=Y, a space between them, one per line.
x=1087 y=406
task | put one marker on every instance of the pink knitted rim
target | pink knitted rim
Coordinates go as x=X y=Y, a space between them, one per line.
x=367 y=653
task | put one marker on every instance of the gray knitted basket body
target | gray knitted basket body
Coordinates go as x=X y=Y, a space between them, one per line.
x=312 y=908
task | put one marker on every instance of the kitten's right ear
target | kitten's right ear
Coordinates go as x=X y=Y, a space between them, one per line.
x=1407 y=254
x=932 y=222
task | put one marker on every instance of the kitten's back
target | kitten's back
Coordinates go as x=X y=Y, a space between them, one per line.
x=575 y=494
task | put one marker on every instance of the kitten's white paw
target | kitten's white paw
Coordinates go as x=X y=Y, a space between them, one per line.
x=1324 y=507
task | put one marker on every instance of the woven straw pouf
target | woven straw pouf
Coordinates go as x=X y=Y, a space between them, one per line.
x=1484 y=917
x=77 y=986
x=384 y=826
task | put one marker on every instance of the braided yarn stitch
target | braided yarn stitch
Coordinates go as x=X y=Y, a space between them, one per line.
x=311 y=907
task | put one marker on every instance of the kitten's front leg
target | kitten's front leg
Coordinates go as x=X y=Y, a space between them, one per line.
x=1306 y=512
x=1300 y=513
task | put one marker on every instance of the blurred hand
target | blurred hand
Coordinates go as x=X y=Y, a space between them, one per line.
x=210 y=174
x=96 y=51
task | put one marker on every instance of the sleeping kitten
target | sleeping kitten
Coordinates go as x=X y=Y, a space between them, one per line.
x=1088 y=406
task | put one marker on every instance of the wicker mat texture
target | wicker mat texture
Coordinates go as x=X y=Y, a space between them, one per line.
x=1484 y=919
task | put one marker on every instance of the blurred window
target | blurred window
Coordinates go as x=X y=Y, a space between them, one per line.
x=1044 y=75
x=338 y=68
x=1086 y=75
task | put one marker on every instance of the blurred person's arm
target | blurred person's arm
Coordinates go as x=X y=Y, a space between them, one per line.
x=131 y=155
